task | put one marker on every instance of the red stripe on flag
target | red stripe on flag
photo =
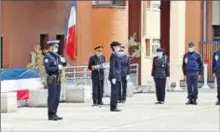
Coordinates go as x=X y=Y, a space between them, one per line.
x=23 y=94
x=70 y=46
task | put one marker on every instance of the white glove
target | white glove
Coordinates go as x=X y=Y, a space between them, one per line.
x=60 y=67
x=62 y=59
x=127 y=77
x=114 y=81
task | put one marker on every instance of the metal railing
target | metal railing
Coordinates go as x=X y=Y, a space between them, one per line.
x=207 y=49
x=77 y=75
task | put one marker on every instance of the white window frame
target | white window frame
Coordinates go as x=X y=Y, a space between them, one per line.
x=155 y=5
x=155 y=43
x=106 y=3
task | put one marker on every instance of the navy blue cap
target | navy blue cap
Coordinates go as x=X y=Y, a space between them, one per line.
x=53 y=43
x=98 y=47
x=115 y=43
x=191 y=44
x=160 y=50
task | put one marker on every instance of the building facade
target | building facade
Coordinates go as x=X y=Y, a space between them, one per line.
x=167 y=24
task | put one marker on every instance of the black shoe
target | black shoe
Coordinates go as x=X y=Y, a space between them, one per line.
x=217 y=103
x=115 y=110
x=194 y=102
x=59 y=118
x=161 y=102
x=158 y=102
x=53 y=118
x=189 y=102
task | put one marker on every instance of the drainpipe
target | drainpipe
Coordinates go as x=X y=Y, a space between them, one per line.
x=204 y=35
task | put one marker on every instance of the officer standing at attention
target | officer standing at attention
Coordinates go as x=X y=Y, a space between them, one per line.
x=216 y=72
x=125 y=72
x=160 y=73
x=115 y=75
x=97 y=66
x=192 y=69
x=53 y=64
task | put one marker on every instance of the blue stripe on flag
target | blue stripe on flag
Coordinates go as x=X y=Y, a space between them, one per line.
x=66 y=26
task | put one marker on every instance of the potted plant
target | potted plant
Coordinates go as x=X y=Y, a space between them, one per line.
x=134 y=52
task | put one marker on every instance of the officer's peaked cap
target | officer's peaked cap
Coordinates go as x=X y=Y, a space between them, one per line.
x=191 y=44
x=115 y=43
x=53 y=43
x=160 y=50
x=98 y=47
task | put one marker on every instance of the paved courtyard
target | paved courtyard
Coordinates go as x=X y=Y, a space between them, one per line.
x=139 y=114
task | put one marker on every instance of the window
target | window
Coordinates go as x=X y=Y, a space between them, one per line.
x=155 y=46
x=43 y=41
x=155 y=5
x=108 y=3
x=61 y=38
x=216 y=33
x=147 y=43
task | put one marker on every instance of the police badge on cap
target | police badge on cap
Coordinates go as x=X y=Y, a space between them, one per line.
x=53 y=43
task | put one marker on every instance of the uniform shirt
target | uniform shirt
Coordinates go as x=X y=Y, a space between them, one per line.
x=51 y=62
x=216 y=63
x=125 y=65
x=192 y=64
x=115 y=67
x=160 y=68
x=93 y=61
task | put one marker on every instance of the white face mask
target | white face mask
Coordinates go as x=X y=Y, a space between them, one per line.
x=117 y=49
x=55 y=50
x=159 y=54
x=191 y=49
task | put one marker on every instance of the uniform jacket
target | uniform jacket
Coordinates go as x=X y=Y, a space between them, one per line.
x=115 y=67
x=93 y=61
x=125 y=65
x=192 y=64
x=160 y=68
x=51 y=62
x=216 y=63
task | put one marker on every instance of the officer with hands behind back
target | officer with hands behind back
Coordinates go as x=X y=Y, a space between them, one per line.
x=115 y=75
x=53 y=64
x=97 y=66
x=216 y=72
x=192 y=69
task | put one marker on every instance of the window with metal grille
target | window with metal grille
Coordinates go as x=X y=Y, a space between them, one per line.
x=108 y=3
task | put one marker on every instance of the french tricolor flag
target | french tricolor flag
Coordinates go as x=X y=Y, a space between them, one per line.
x=70 y=31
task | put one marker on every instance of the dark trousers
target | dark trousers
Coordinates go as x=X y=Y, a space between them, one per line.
x=114 y=95
x=53 y=98
x=192 y=86
x=97 y=91
x=218 y=88
x=160 y=88
x=123 y=89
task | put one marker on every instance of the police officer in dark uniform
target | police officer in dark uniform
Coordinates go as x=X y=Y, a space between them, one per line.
x=125 y=72
x=192 y=69
x=216 y=72
x=53 y=64
x=115 y=75
x=160 y=73
x=97 y=66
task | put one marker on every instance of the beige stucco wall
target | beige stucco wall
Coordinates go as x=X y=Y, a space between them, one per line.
x=177 y=37
x=215 y=12
x=151 y=28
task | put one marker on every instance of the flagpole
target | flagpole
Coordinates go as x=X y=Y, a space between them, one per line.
x=76 y=49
